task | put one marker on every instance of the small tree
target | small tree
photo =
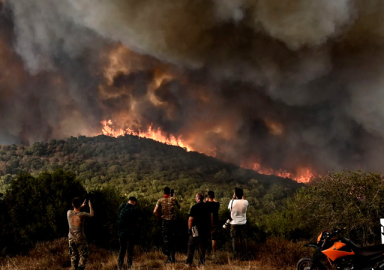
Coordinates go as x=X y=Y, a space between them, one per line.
x=35 y=208
x=351 y=199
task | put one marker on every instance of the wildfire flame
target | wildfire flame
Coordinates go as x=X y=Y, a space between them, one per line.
x=154 y=134
x=303 y=175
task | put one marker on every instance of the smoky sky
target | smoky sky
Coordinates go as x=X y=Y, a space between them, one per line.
x=288 y=84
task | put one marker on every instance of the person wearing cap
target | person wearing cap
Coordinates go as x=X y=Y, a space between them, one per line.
x=238 y=207
x=128 y=223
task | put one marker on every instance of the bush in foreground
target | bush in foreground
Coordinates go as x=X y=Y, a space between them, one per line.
x=34 y=209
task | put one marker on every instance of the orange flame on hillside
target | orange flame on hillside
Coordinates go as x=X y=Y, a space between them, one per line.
x=154 y=134
x=302 y=175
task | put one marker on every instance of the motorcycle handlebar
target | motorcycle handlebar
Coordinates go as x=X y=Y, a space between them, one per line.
x=337 y=230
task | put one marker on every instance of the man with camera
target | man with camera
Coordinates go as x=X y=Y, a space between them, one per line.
x=167 y=205
x=128 y=223
x=78 y=247
x=213 y=207
x=238 y=207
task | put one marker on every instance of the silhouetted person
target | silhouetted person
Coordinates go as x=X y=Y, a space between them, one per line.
x=127 y=221
x=213 y=207
x=199 y=226
x=78 y=247
x=167 y=205
x=238 y=207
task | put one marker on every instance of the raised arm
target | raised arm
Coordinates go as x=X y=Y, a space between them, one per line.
x=90 y=209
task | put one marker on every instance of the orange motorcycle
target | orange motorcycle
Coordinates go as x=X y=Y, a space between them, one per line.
x=342 y=253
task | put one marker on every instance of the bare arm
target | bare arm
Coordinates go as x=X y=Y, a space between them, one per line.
x=190 y=222
x=156 y=211
x=91 y=209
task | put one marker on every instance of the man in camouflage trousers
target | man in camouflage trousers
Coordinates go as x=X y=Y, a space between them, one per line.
x=78 y=247
x=167 y=205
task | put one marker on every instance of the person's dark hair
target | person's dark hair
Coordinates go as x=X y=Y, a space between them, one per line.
x=211 y=194
x=167 y=191
x=239 y=193
x=132 y=199
x=200 y=196
x=77 y=202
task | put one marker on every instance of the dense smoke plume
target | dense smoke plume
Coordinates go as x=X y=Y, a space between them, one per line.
x=287 y=84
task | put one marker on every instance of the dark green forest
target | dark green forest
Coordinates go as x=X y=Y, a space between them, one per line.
x=142 y=167
x=40 y=181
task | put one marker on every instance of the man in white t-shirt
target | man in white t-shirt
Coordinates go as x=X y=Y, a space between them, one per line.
x=238 y=207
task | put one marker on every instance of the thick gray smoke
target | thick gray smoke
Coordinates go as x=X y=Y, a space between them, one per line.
x=288 y=84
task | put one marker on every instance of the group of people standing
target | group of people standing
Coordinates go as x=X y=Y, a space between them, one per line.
x=203 y=224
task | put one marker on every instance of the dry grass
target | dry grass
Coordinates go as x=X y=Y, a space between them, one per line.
x=275 y=254
x=282 y=253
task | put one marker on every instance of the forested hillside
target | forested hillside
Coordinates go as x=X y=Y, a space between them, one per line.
x=108 y=170
x=142 y=167
x=111 y=169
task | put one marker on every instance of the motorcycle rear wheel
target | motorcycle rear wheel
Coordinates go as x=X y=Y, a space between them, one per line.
x=305 y=264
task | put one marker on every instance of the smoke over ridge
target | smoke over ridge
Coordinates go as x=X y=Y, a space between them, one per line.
x=288 y=84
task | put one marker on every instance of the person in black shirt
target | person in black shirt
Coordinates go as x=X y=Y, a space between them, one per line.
x=128 y=222
x=199 y=226
x=213 y=207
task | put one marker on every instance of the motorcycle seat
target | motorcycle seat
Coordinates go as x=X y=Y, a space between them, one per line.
x=370 y=251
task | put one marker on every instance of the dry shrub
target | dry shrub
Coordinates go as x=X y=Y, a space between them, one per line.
x=153 y=255
x=152 y=264
x=222 y=258
x=281 y=253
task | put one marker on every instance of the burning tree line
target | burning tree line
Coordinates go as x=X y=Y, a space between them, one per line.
x=291 y=88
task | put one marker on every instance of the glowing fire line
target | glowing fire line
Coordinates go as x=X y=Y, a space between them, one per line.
x=151 y=133
x=305 y=174
x=155 y=134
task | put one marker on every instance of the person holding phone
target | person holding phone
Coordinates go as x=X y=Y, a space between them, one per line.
x=78 y=247
x=238 y=207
